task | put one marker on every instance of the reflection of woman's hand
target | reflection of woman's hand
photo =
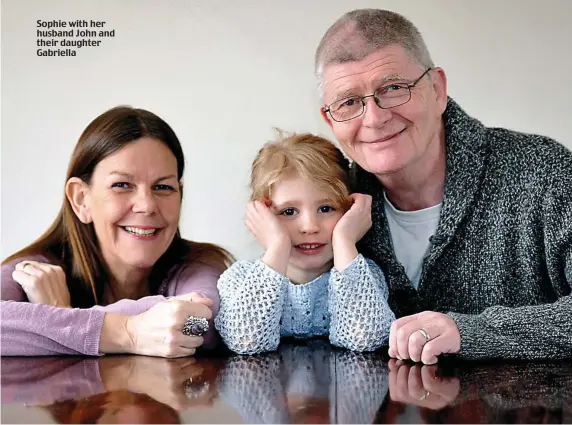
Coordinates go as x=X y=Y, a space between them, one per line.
x=166 y=380
x=419 y=385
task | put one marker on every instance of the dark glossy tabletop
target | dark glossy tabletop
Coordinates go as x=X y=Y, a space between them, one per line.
x=301 y=383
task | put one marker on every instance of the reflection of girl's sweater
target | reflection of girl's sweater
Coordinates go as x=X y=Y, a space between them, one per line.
x=258 y=387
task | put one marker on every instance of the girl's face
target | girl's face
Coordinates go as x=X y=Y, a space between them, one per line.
x=309 y=216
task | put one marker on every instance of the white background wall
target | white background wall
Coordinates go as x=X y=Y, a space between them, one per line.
x=223 y=73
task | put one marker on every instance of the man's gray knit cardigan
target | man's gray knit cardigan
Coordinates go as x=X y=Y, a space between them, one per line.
x=500 y=262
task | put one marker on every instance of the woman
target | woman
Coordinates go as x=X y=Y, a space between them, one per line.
x=112 y=273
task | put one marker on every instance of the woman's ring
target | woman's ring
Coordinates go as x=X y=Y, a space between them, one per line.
x=195 y=326
x=24 y=265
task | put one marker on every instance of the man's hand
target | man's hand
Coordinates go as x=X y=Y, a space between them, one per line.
x=422 y=337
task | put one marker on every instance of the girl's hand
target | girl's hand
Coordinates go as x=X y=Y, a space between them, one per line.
x=355 y=223
x=265 y=225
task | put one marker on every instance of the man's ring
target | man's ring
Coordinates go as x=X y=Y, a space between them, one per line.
x=424 y=395
x=424 y=333
x=195 y=326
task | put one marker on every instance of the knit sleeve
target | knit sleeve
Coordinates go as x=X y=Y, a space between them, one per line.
x=251 y=299
x=538 y=331
x=531 y=332
x=360 y=314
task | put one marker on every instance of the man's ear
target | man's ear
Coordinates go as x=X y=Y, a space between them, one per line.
x=440 y=86
x=325 y=116
x=77 y=192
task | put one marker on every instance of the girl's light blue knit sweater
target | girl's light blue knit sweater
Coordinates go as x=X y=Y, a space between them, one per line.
x=259 y=305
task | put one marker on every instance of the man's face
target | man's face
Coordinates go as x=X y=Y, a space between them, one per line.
x=385 y=141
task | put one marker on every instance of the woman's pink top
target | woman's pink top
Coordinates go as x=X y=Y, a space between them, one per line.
x=28 y=329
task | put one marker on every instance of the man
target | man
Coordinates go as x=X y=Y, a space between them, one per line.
x=471 y=225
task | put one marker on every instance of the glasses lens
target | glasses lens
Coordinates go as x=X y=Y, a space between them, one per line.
x=392 y=95
x=346 y=109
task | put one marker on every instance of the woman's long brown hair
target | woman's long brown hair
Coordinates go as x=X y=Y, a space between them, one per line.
x=73 y=245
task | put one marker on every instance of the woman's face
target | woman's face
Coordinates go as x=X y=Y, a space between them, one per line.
x=134 y=203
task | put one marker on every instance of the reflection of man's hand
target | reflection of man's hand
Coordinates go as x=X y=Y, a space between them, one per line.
x=419 y=385
x=179 y=383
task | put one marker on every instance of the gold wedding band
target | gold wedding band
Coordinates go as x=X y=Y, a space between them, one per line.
x=425 y=395
x=424 y=333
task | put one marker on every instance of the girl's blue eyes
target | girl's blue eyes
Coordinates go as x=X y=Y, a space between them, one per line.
x=289 y=212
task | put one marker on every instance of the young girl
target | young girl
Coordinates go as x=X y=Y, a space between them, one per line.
x=303 y=215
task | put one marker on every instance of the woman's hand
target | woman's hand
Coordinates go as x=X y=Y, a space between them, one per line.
x=158 y=331
x=43 y=283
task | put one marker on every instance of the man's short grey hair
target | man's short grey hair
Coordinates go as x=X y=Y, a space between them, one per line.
x=361 y=32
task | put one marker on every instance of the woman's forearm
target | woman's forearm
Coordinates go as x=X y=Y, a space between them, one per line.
x=41 y=330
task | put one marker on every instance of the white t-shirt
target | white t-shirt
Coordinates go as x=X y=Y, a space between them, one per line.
x=410 y=232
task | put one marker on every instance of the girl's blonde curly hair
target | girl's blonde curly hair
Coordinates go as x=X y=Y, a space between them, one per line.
x=306 y=155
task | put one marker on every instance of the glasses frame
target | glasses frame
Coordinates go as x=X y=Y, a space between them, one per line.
x=327 y=109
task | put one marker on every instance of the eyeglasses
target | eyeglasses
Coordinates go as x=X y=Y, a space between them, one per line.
x=385 y=97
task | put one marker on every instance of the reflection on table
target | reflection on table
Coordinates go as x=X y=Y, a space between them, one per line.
x=303 y=382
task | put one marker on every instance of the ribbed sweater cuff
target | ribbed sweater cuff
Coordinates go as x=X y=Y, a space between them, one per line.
x=351 y=268
x=93 y=334
x=476 y=342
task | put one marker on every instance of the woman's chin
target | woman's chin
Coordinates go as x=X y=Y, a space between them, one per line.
x=140 y=262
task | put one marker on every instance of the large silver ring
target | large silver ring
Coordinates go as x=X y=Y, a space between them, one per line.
x=195 y=326
x=424 y=333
